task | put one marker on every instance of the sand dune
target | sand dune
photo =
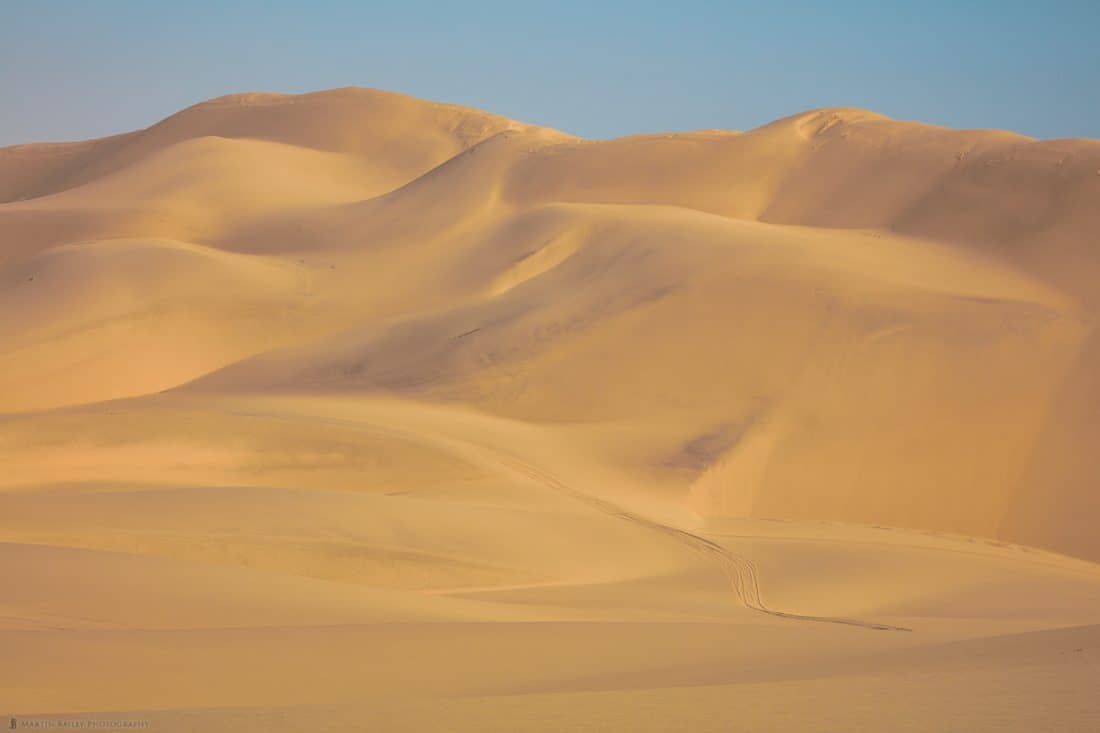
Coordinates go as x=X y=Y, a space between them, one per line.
x=397 y=412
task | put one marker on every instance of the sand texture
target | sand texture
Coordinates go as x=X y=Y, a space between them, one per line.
x=353 y=411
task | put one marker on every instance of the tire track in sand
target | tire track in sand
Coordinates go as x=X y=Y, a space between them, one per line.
x=743 y=574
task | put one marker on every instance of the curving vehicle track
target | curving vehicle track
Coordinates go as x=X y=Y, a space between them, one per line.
x=742 y=572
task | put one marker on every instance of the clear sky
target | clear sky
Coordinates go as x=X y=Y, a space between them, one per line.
x=71 y=69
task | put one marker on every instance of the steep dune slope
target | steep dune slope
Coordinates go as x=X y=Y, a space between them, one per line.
x=825 y=367
x=1030 y=201
x=191 y=190
x=110 y=318
x=206 y=176
x=221 y=162
x=401 y=136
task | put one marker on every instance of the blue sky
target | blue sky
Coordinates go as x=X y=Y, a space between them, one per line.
x=71 y=70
